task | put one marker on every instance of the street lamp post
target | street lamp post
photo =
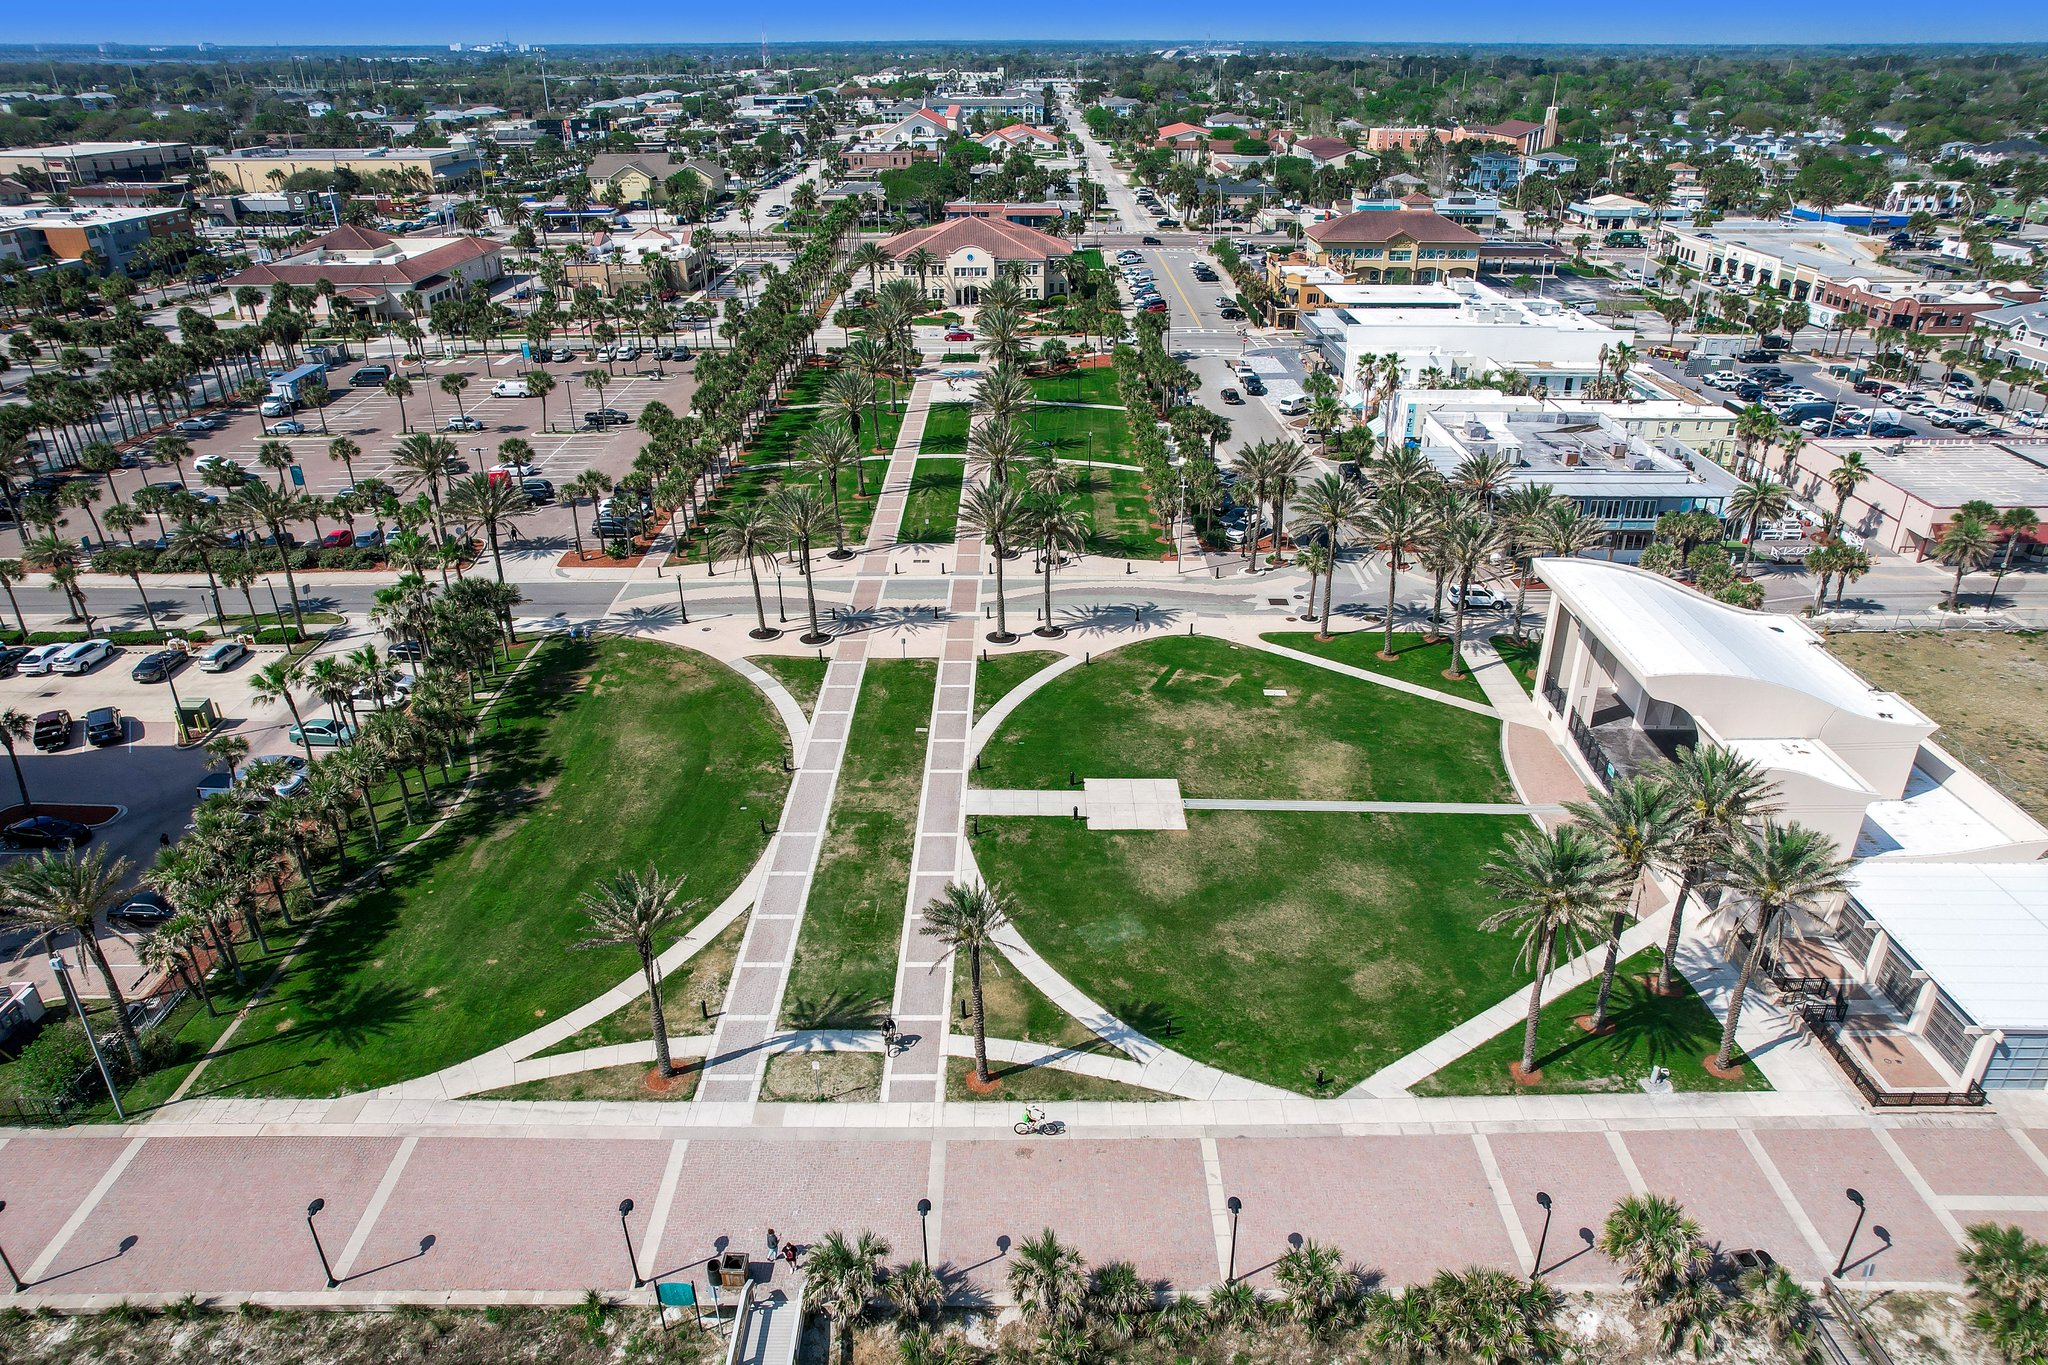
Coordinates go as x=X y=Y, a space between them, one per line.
x=1543 y=1239
x=326 y=1268
x=924 y=1231
x=12 y=1274
x=99 y=1058
x=1236 y=1206
x=781 y=612
x=626 y=1207
x=1854 y=1196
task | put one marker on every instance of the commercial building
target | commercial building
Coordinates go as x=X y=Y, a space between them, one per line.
x=880 y=156
x=1456 y=331
x=1947 y=308
x=1295 y=286
x=91 y=163
x=1397 y=246
x=641 y=178
x=1024 y=215
x=1582 y=452
x=376 y=274
x=2019 y=335
x=1796 y=259
x=1674 y=425
x=43 y=232
x=267 y=168
x=1937 y=953
x=1611 y=212
x=1916 y=488
x=967 y=255
x=667 y=260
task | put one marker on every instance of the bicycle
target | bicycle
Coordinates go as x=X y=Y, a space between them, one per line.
x=1035 y=1122
x=895 y=1044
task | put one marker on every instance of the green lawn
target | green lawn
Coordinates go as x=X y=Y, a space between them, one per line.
x=844 y=972
x=1270 y=945
x=801 y=674
x=1116 y=505
x=1522 y=657
x=1415 y=661
x=932 y=511
x=1091 y=258
x=776 y=459
x=1014 y=1008
x=610 y=755
x=1078 y=433
x=1195 y=708
x=1043 y=1084
x=1672 y=1031
x=1094 y=385
x=999 y=673
x=945 y=429
x=809 y=384
x=687 y=993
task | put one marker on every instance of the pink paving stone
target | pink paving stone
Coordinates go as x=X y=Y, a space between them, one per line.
x=1540 y=771
x=1140 y=1201
x=1711 y=1173
x=45 y=1179
x=2033 y=1222
x=1820 y=1164
x=1580 y=1174
x=771 y=938
x=221 y=1215
x=512 y=1213
x=753 y=989
x=1970 y=1161
x=732 y=1192
x=1401 y=1208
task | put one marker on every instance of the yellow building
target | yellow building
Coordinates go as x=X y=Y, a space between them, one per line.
x=1294 y=285
x=1394 y=246
x=642 y=177
x=260 y=170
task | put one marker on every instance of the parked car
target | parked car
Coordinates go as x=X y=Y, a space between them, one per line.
x=10 y=658
x=606 y=417
x=370 y=374
x=82 y=657
x=222 y=655
x=1254 y=385
x=142 y=910
x=509 y=388
x=463 y=423
x=514 y=469
x=38 y=660
x=1155 y=305
x=52 y=731
x=1232 y=397
x=104 y=726
x=404 y=649
x=370 y=540
x=221 y=469
x=45 y=831
x=1293 y=406
x=539 y=492
x=276 y=407
x=340 y=539
x=320 y=732
x=1758 y=357
x=1892 y=431
x=611 y=528
x=959 y=334
x=195 y=426
x=291 y=780
x=288 y=427
x=158 y=666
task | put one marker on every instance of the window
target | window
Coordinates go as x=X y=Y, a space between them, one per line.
x=1945 y=1033
x=1895 y=980
x=2019 y=1063
x=1857 y=932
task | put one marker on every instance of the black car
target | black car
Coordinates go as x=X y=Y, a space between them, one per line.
x=104 y=726
x=404 y=649
x=539 y=492
x=612 y=528
x=9 y=657
x=1148 y=240
x=1254 y=386
x=1231 y=314
x=52 y=731
x=158 y=666
x=1749 y=393
x=606 y=417
x=1894 y=431
x=369 y=375
x=1232 y=397
x=142 y=910
x=45 y=831
x=1757 y=357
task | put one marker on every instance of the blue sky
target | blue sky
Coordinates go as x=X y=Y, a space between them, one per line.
x=1494 y=21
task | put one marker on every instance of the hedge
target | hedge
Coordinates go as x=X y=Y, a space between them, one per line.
x=153 y=639
x=305 y=557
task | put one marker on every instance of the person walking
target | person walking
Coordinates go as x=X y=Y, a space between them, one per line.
x=774 y=1245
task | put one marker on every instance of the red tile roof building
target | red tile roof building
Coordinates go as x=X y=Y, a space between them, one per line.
x=375 y=273
x=967 y=254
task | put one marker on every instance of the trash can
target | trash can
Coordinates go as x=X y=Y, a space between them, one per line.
x=732 y=1270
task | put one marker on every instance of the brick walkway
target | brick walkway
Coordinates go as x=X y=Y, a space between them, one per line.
x=505 y=1214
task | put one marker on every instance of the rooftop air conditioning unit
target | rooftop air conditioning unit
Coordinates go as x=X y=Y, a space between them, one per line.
x=1643 y=463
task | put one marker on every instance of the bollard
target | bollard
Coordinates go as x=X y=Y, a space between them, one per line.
x=1191 y=627
x=703 y=1009
x=1129 y=568
x=984 y=656
x=1086 y=658
x=1070 y=777
x=899 y=568
x=1077 y=812
x=1215 y=571
x=1136 y=614
x=821 y=656
x=765 y=829
x=974 y=825
x=963 y=1008
x=987 y=612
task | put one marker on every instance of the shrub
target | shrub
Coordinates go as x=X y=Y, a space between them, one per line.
x=50 y=1067
x=618 y=549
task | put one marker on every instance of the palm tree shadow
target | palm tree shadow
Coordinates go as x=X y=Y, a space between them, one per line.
x=1648 y=1030
x=840 y=1011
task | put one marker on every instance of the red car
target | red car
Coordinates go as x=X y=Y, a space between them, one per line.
x=959 y=334
x=338 y=540
x=1156 y=306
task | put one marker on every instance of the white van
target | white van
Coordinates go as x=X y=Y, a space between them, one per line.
x=1292 y=406
x=81 y=657
x=510 y=388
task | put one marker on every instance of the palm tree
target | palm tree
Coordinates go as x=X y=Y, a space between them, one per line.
x=1779 y=1308
x=1397 y=523
x=1333 y=509
x=1715 y=792
x=996 y=509
x=631 y=909
x=1057 y=528
x=539 y=384
x=1760 y=499
x=1966 y=544
x=1656 y=1244
x=56 y=895
x=494 y=503
x=1639 y=821
x=453 y=385
x=750 y=532
x=839 y=1275
x=829 y=451
x=275 y=509
x=969 y=917
x=2014 y=523
x=1049 y=1280
x=1774 y=868
x=1467 y=545
x=803 y=515
x=399 y=387
x=1316 y=1281
x=274 y=682
x=15 y=726
x=1561 y=882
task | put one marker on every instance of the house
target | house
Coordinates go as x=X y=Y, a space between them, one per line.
x=379 y=275
x=925 y=127
x=967 y=254
x=1492 y=172
x=1550 y=163
x=1183 y=137
x=1323 y=151
x=1397 y=246
x=1909 y=197
x=2019 y=335
x=641 y=178
x=1998 y=153
x=1019 y=137
x=666 y=260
